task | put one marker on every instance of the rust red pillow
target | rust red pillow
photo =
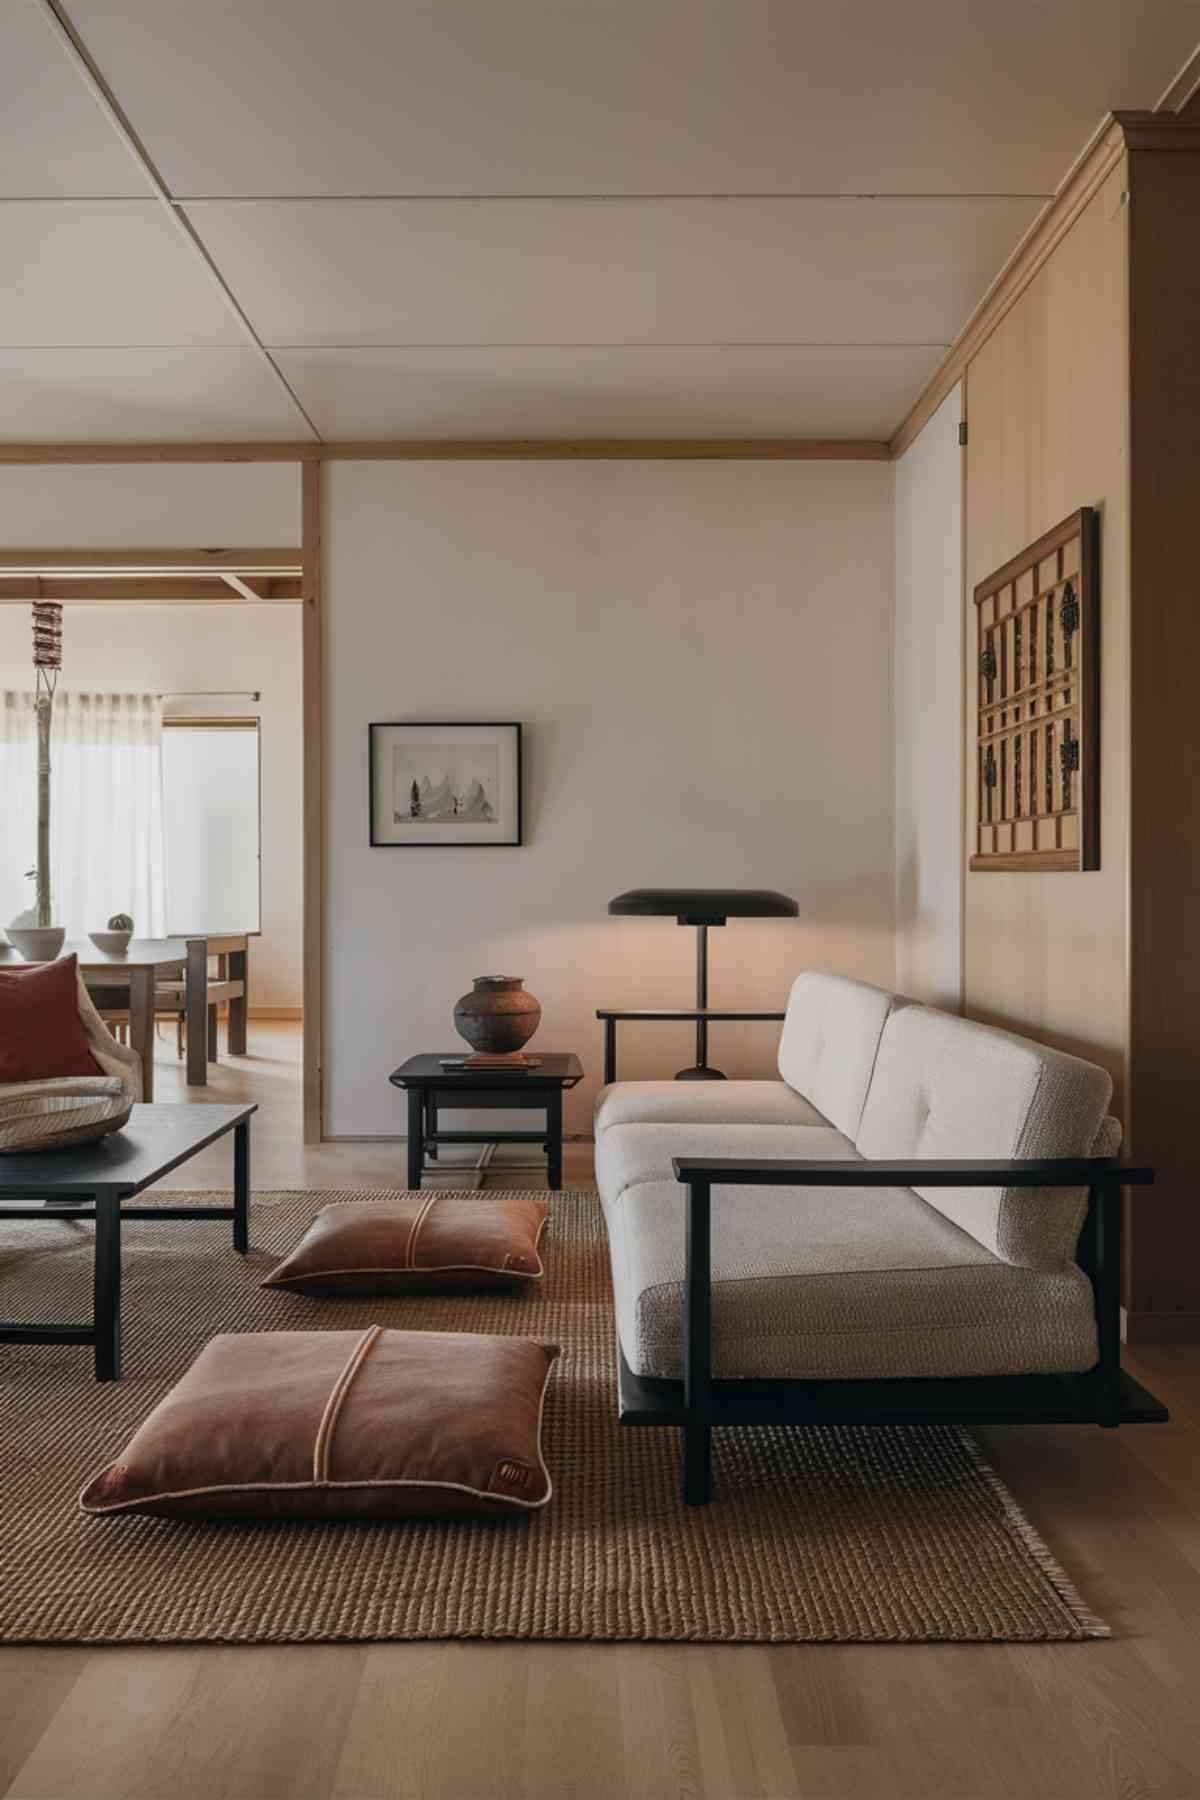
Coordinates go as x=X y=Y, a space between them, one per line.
x=41 y=1032
x=367 y=1424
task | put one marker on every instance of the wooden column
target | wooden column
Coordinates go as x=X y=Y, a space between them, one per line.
x=312 y=484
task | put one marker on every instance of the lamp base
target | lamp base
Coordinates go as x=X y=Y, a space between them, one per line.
x=701 y=1072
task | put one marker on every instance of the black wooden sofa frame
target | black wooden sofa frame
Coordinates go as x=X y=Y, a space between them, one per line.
x=1105 y=1395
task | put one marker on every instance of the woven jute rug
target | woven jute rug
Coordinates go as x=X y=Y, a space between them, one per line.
x=830 y=1535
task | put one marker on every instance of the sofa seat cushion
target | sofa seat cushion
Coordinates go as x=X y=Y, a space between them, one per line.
x=702 y=1103
x=946 y=1087
x=830 y=1040
x=839 y=1283
x=629 y=1154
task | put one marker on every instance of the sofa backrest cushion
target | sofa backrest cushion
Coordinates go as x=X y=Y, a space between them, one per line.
x=829 y=1043
x=944 y=1087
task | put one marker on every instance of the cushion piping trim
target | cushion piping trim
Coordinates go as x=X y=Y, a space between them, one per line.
x=323 y=1442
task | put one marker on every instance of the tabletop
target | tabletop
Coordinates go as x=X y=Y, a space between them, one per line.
x=143 y=953
x=155 y=1141
x=426 y=1071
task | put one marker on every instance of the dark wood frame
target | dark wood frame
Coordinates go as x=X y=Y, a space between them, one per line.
x=1105 y=1395
x=1083 y=524
x=702 y=1015
x=514 y=725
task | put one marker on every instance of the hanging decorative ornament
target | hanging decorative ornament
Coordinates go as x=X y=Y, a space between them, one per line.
x=47 y=637
x=42 y=941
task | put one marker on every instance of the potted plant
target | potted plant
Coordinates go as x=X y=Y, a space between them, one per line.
x=31 y=932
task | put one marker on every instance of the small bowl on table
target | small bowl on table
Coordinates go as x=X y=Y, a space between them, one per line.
x=112 y=943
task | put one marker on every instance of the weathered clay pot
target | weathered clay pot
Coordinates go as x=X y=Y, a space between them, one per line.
x=498 y=1015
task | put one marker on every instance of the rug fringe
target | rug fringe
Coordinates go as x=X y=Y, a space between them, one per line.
x=1091 y=1624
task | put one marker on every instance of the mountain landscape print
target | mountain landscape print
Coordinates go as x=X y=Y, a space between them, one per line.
x=445 y=784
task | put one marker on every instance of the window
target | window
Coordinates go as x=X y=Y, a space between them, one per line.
x=212 y=808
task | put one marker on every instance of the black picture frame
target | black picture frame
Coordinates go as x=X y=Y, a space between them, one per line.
x=512 y=830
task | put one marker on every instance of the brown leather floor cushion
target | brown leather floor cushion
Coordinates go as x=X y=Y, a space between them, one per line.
x=368 y=1424
x=416 y=1241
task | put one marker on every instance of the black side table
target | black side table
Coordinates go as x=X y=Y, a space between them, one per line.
x=430 y=1087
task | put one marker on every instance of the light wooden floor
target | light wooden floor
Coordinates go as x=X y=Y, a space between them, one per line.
x=486 y=1722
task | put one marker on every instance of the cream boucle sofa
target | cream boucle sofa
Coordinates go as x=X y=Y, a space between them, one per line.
x=839 y=1268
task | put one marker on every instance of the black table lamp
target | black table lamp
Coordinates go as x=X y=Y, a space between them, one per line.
x=703 y=907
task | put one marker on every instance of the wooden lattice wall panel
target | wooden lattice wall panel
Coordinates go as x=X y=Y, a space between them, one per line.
x=1038 y=704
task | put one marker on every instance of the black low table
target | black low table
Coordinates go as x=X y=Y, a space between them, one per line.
x=93 y=1181
x=430 y=1086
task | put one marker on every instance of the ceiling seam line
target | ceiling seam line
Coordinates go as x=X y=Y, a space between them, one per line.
x=633 y=197
x=64 y=31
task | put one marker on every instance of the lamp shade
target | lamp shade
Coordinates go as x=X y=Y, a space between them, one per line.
x=704 y=906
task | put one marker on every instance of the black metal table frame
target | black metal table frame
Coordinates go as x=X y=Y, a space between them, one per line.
x=703 y=1017
x=463 y=1090
x=1105 y=1395
x=108 y=1211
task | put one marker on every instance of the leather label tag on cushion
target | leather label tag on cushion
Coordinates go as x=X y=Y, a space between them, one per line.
x=418 y=1241
x=41 y=1032
x=368 y=1424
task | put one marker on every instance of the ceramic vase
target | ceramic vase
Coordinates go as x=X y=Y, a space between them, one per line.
x=497 y=1016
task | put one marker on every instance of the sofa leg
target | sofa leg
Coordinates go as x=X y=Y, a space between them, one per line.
x=697 y=1465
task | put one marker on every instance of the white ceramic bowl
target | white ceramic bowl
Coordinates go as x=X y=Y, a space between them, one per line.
x=113 y=943
x=37 y=943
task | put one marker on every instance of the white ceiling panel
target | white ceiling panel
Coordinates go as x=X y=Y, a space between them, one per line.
x=54 y=140
x=104 y=272
x=631 y=271
x=173 y=395
x=627 y=96
x=655 y=391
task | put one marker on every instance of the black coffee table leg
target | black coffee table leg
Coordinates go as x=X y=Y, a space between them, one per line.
x=241 y=1187
x=554 y=1139
x=416 y=1136
x=106 y=1304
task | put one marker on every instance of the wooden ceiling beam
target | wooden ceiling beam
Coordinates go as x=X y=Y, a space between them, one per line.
x=116 y=564
x=196 y=590
x=463 y=450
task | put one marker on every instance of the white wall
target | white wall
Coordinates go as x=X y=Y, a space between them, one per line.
x=160 y=649
x=701 y=655
x=929 y=626
x=186 y=505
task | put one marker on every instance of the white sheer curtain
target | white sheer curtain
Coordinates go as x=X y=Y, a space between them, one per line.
x=107 y=843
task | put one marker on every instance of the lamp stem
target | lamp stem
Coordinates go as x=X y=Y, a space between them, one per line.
x=701 y=995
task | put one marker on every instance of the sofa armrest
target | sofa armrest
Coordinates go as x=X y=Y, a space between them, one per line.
x=1064 y=1172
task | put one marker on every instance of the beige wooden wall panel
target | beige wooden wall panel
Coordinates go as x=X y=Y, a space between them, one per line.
x=1047 y=406
x=1164 y=1043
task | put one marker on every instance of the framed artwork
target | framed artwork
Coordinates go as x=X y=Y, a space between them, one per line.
x=445 y=784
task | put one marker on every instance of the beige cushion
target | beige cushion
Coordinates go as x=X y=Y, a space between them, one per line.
x=839 y=1283
x=411 y=1243
x=703 y=1103
x=341 y=1424
x=945 y=1087
x=629 y=1154
x=829 y=1043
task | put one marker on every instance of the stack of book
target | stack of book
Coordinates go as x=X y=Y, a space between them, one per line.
x=482 y=1059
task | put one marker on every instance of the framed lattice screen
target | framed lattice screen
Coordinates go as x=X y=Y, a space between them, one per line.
x=1038 y=704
